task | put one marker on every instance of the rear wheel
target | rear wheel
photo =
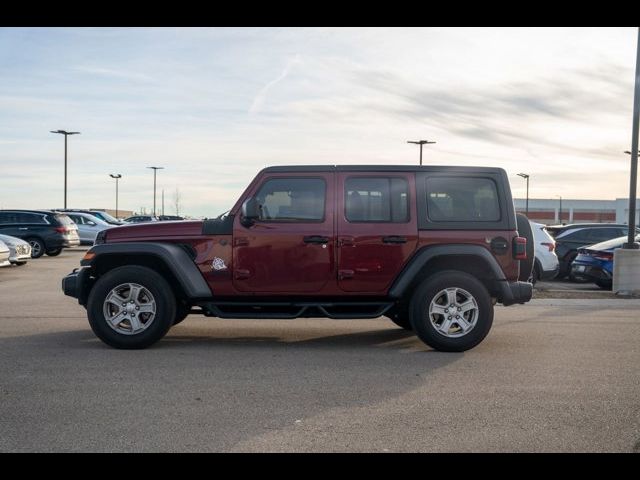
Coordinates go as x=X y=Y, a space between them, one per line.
x=451 y=311
x=131 y=307
x=37 y=247
x=55 y=252
x=604 y=284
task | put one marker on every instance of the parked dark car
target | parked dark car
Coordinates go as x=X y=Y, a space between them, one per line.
x=571 y=237
x=46 y=231
x=169 y=217
x=595 y=262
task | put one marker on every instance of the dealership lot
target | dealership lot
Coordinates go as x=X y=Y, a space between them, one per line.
x=553 y=375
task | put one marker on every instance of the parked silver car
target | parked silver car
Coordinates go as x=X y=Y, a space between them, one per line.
x=4 y=255
x=19 y=250
x=88 y=226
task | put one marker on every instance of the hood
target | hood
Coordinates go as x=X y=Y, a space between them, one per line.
x=159 y=230
x=9 y=240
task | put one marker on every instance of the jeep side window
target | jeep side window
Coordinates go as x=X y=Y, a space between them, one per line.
x=376 y=199
x=292 y=200
x=457 y=199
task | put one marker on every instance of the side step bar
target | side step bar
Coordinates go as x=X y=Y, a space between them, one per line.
x=286 y=310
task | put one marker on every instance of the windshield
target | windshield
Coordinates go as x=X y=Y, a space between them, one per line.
x=105 y=216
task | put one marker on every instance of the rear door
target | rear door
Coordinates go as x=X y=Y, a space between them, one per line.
x=291 y=247
x=377 y=228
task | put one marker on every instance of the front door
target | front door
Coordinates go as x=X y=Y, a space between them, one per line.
x=290 y=248
x=377 y=229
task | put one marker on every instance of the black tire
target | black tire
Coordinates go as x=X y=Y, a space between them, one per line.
x=524 y=230
x=605 y=284
x=430 y=290
x=149 y=279
x=19 y=264
x=182 y=312
x=55 y=252
x=37 y=246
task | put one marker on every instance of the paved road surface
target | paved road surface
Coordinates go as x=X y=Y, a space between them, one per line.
x=554 y=375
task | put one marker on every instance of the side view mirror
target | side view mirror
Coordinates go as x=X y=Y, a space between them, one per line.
x=250 y=211
x=90 y=223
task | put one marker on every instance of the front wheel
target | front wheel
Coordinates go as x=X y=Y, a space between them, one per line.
x=55 y=252
x=131 y=307
x=451 y=311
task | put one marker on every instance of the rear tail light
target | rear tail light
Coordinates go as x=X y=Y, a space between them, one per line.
x=550 y=246
x=62 y=229
x=520 y=248
x=603 y=256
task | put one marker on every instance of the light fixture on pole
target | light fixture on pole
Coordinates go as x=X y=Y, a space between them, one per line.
x=155 y=169
x=66 y=134
x=525 y=176
x=421 y=143
x=117 y=176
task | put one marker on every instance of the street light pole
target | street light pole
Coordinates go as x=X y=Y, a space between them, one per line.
x=631 y=243
x=66 y=134
x=560 y=212
x=421 y=143
x=155 y=169
x=117 y=176
x=525 y=176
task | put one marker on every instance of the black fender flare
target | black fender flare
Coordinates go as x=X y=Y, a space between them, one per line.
x=172 y=256
x=425 y=254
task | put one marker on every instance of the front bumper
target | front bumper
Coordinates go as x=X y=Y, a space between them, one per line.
x=75 y=284
x=515 y=292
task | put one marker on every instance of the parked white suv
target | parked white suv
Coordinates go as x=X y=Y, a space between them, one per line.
x=546 y=264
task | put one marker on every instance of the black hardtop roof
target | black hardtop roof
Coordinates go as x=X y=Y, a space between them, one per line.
x=381 y=168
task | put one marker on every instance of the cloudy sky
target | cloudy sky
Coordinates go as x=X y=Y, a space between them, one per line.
x=215 y=105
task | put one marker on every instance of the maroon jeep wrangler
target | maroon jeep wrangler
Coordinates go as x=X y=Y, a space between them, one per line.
x=432 y=248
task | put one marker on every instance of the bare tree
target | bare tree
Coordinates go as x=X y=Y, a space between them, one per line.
x=177 y=201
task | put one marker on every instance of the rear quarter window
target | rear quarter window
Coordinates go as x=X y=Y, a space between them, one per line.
x=460 y=199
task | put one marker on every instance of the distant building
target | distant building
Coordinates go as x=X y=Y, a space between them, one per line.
x=547 y=210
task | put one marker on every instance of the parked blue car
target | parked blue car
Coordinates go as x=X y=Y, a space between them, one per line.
x=595 y=262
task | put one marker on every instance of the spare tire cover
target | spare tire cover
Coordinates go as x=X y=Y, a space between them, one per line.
x=524 y=230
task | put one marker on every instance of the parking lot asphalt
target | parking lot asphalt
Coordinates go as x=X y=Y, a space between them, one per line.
x=552 y=375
